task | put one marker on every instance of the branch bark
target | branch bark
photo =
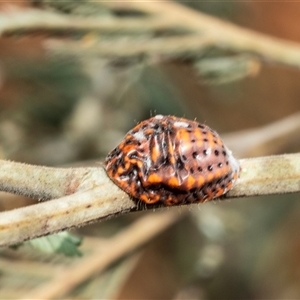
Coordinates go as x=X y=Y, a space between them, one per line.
x=39 y=182
x=98 y=198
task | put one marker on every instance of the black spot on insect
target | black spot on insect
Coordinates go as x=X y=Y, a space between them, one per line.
x=147 y=136
x=210 y=168
x=156 y=126
x=192 y=170
x=216 y=153
x=179 y=164
x=130 y=177
x=122 y=164
x=169 y=131
x=129 y=141
x=219 y=181
x=199 y=169
x=220 y=165
x=115 y=152
x=114 y=168
x=183 y=157
x=205 y=152
x=201 y=126
x=167 y=160
x=194 y=154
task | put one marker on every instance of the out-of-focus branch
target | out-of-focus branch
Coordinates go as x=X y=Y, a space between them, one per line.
x=197 y=32
x=271 y=138
x=266 y=48
x=34 y=19
x=131 y=48
x=141 y=231
x=224 y=34
x=99 y=198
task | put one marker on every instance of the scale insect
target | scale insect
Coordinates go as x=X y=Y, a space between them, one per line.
x=172 y=161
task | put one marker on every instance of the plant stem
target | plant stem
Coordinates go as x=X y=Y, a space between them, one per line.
x=39 y=182
x=96 y=197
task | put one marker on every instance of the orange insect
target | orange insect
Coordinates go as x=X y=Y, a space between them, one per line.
x=171 y=161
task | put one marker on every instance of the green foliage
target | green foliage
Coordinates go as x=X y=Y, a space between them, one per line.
x=226 y=69
x=75 y=7
x=62 y=242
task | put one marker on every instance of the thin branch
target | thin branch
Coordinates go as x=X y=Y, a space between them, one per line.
x=272 y=138
x=135 y=235
x=207 y=32
x=132 y=48
x=203 y=31
x=268 y=175
x=103 y=199
x=34 y=19
x=225 y=34
x=39 y=182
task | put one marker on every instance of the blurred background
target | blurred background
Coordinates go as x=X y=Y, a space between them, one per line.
x=65 y=101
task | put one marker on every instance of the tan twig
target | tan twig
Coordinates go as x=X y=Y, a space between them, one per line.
x=40 y=182
x=207 y=31
x=103 y=199
x=264 y=140
x=130 y=48
x=268 y=175
x=224 y=34
x=141 y=231
x=161 y=16
x=34 y=19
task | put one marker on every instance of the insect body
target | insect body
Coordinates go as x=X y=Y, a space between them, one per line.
x=171 y=161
